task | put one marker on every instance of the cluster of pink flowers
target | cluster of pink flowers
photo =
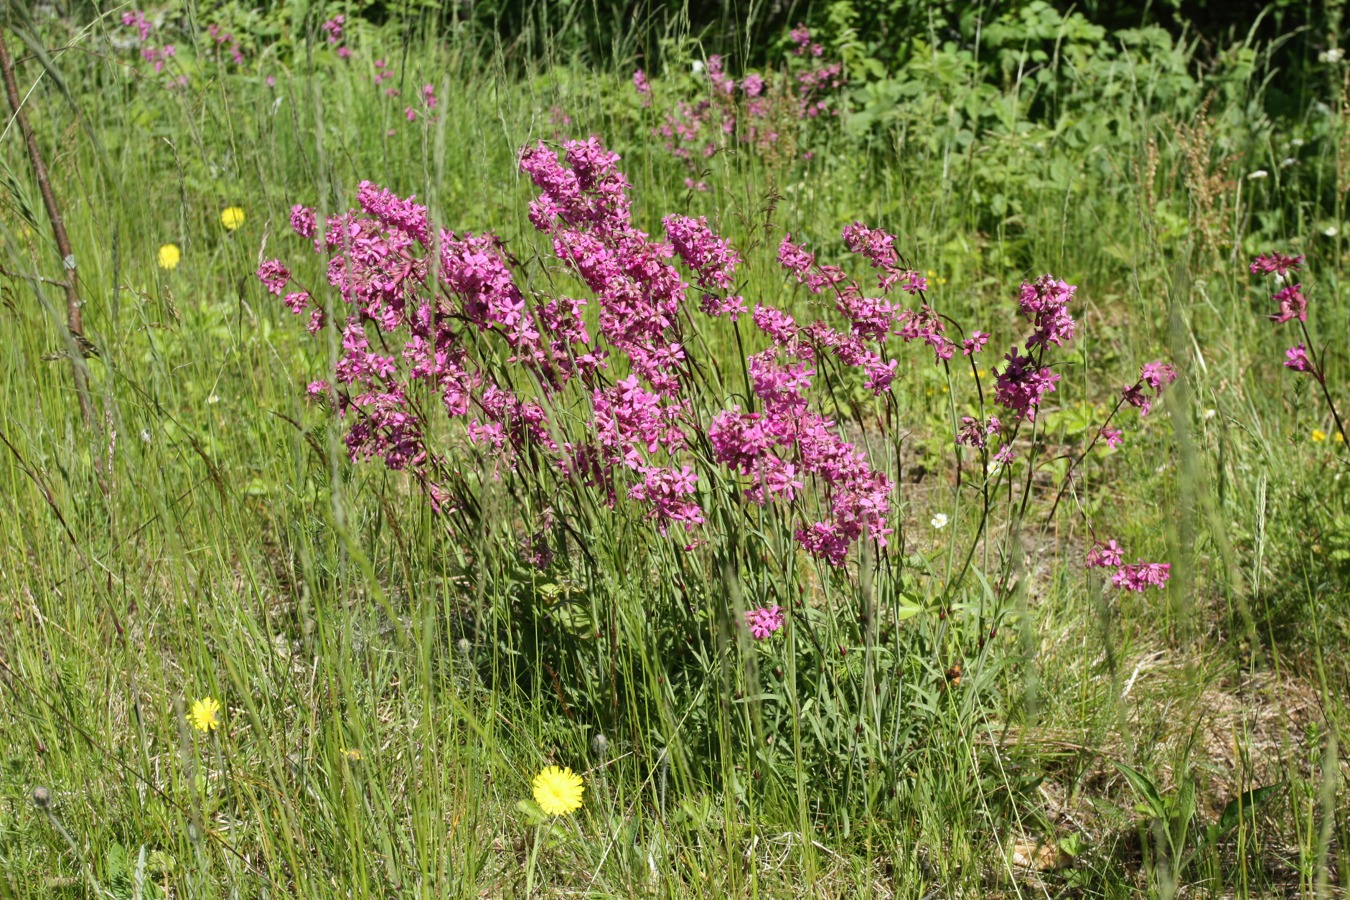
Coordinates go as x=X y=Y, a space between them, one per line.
x=1156 y=376
x=976 y=433
x=379 y=265
x=759 y=112
x=335 y=28
x=137 y=20
x=224 y=40
x=1138 y=576
x=1024 y=381
x=777 y=448
x=158 y=57
x=713 y=261
x=643 y=87
x=639 y=424
x=1294 y=306
x=763 y=622
x=426 y=307
x=802 y=43
x=428 y=100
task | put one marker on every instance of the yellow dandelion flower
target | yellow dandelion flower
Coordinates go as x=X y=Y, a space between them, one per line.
x=558 y=791
x=1319 y=435
x=351 y=753
x=1340 y=438
x=232 y=217
x=168 y=256
x=205 y=714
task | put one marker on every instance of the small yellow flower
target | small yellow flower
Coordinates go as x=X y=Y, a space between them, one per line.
x=1319 y=435
x=205 y=714
x=169 y=255
x=1340 y=438
x=232 y=217
x=558 y=791
x=351 y=753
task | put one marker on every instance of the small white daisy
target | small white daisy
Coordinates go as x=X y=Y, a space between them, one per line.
x=940 y=520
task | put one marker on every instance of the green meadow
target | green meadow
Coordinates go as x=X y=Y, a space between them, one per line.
x=240 y=658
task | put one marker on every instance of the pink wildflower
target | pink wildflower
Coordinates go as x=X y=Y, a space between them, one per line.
x=334 y=28
x=1156 y=375
x=1021 y=386
x=302 y=221
x=1104 y=555
x=274 y=276
x=1296 y=358
x=1044 y=302
x=643 y=87
x=1141 y=576
x=1293 y=305
x=297 y=302
x=975 y=343
x=710 y=256
x=764 y=622
x=975 y=433
x=1275 y=264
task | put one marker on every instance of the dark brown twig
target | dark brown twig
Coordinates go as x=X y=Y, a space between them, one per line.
x=74 y=321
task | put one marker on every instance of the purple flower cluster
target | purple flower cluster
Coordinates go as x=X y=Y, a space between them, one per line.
x=643 y=87
x=1156 y=376
x=1292 y=305
x=1024 y=381
x=976 y=433
x=766 y=111
x=1045 y=304
x=763 y=622
x=158 y=57
x=1138 y=576
x=1296 y=358
x=1022 y=384
x=224 y=40
x=776 y=449
x=1275 y=264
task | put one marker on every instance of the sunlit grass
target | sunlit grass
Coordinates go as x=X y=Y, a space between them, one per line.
x=388 y=692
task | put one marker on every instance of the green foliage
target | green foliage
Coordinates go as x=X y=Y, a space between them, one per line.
x=913 y=720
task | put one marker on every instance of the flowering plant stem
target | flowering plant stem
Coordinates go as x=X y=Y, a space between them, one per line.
x=1319 y=373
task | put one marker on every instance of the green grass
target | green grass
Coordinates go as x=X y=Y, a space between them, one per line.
x=206 y=536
